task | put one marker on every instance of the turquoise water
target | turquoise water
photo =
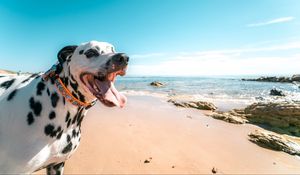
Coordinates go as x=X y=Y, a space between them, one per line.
x=226 y=92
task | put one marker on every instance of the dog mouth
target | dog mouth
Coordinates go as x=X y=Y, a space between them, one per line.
x=103 y=88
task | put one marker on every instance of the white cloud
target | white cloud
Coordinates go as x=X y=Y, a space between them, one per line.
x=224 y=66
x=225 y=62
x=273 y=21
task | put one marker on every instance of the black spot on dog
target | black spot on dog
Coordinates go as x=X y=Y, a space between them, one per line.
x=68 y=148
x=66 y=81
x=55 y=169
x=72 y=78
x=52 y=80
x=40 y=87
x=54 y=99
x=36 y=106
x=7 y=83
x=69 y=71
x=80 y=120
x=69 y=123
x=91 y=53
x=74 y=95
x=108 y=63
x=81 y=52
x=88 y=107
x=58 y=129
x=58 y=69
x=59 y=134
x=73 y=133
x=38 y=76
x=77 y=115
x=64 y=100
x=74 y=86
x=68 y=138
x=27 y=79
x=67 y=116
x=12 y=94
x=49 y=129
x=30 y=118
x=81 y=97
x=48 y=92
x=52 y=115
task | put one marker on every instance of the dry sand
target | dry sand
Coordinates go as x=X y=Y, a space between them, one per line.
x=151 y=136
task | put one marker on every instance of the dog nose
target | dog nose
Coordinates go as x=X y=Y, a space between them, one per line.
x=120 y=58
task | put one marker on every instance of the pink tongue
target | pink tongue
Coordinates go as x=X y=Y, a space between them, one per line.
x=110 y=93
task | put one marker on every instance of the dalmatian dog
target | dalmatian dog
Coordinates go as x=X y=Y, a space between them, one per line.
x=41 y=114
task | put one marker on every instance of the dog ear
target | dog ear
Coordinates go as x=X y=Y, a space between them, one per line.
x=65 y=52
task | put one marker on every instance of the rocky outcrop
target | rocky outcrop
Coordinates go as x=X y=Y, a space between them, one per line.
x=276 y=92
x=294 y=78
x=201 y=105
x=275 y=141
x=282 y=118
x=231 y=117
x=156 y=84
x=279 y=117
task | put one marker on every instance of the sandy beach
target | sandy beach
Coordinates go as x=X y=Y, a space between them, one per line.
x=151 y=136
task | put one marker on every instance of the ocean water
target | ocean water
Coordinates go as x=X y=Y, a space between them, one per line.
x=227 y=92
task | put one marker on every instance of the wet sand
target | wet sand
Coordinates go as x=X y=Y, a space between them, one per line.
x=150 y=136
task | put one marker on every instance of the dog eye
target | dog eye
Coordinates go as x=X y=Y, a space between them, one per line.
x=91 y=53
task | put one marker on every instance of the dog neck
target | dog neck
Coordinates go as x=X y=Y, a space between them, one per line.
x=68 y=86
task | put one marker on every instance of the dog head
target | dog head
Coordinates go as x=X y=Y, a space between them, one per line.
x=94 y=66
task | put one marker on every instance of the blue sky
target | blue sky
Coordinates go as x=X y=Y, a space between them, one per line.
x=162 y=37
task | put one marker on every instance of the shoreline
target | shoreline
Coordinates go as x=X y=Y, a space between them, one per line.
x=151 y=136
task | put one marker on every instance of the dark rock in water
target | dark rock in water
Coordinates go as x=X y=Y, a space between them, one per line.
x=231 y=117
x=156 y=84
x=271 y=79
x=276 y=92
x=296 y=77
x=201 y=105
x=284 y=80
x=275 y=141
x=259 y=98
